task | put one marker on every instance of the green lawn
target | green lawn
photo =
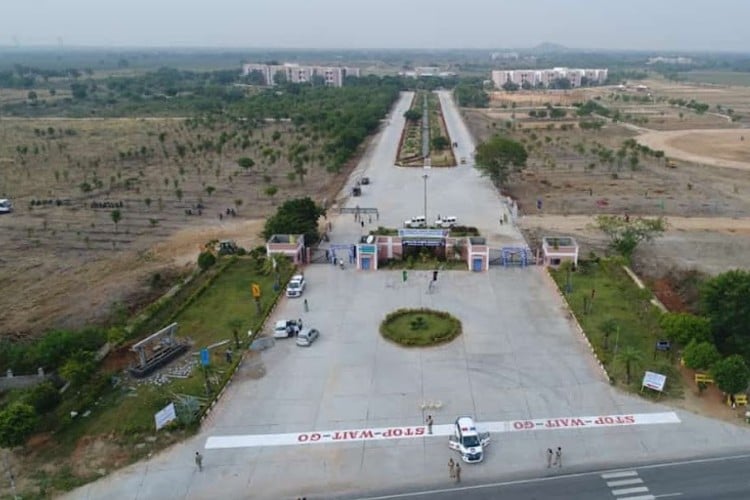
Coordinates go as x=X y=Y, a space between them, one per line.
x=616 y=297
x=717 y=77
x=420 y=327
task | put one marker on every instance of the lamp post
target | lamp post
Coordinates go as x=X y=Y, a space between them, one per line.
x=425 y=176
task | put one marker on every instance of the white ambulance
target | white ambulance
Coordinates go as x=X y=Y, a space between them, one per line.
x=468 y=441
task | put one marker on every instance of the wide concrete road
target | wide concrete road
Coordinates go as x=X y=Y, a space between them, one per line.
x=518 y=359
x=706 y=479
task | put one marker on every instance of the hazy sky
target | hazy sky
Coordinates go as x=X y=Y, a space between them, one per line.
x=618 y=24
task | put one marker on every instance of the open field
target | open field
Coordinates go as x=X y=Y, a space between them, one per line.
x=565 y=172
x=153 y=171
x=717 y=77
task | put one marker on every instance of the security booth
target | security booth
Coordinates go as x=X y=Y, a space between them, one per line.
x=291 y=245
x=414 y=241
x=559 y=249
x=367 y=254
x=477 y=254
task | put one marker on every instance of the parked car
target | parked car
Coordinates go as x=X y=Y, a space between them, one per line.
x=307 y=336
x=418 y=221
x=285 y=328
x=445 y=222
x=296 y=286
x=463 y=161
x=6 y=206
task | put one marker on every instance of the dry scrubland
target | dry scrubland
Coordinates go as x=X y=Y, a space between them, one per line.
x=567 y=174
x=67 y=262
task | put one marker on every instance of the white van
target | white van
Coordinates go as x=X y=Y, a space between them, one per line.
x=468 y=441
x=449 y=221
x=418 y=221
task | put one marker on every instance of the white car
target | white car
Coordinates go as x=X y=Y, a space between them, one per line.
x=419 y=221
x=307 y=336
x=446 y=222
x=285 y=328
x=296 y=286
x=6 y=206
x=468 y=441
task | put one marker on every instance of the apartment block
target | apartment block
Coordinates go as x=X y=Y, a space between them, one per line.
x=545 y=77
x=295 y=73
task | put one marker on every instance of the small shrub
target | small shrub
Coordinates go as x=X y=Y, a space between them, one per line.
x=206 y=259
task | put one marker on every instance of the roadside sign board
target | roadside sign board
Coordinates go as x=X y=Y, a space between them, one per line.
x=654 y=381
x=204 y=357
x=165 y=415
x=256 y=290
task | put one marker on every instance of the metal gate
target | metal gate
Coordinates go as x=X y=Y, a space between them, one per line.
x=496 y=257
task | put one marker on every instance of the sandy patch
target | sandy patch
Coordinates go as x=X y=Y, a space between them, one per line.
x=722 y=148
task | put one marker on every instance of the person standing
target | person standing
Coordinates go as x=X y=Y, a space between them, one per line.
x=458 y=472
x=199 y=460
x=429 y=424
x=558 y=457
x=550 y=453
x=307 y=308
x=451 y=468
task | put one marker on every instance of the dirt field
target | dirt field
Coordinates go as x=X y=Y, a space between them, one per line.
x=66 y=177
x=706 y=203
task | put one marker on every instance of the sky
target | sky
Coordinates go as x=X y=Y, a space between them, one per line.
x=676 y=25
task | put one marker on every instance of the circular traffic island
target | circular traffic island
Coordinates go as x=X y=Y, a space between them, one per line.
x=420 y=327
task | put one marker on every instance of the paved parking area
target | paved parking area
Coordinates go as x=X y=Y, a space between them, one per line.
x=518 y=358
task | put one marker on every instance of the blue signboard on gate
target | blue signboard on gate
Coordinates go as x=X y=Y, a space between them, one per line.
x=204 y=357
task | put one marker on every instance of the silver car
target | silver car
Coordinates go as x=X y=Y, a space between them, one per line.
x=307 y=336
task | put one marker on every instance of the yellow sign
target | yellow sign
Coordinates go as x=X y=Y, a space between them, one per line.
x=256 y=290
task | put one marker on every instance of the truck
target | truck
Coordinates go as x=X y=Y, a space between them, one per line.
x=418 y=221
x=468 y=441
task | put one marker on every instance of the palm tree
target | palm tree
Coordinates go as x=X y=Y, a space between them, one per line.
x=630 y=357
x=235 y=324
x=116 y=217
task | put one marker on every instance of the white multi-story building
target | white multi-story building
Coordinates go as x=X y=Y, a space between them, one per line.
x=545 y=77
x=295 y=73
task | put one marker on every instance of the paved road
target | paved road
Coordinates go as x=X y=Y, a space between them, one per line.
x=518 y=359
x=703 y=479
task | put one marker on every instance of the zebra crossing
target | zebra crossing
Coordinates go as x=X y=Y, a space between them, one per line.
x=626 y=485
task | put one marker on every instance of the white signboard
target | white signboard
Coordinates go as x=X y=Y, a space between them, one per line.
x=654 y=381
x=165 y=415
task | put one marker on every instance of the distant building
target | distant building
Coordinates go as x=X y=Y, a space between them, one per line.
x=427 y=71
x=295 y=73
x=669 y=60
x=545 y=77
x=504 y=56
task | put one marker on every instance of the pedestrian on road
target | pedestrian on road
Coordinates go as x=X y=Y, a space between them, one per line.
x=451 y=468
x=307 y=309
x=199 y=460
x=429 y=424
x=362 y=223
x=549 y=457
x=558 y=457
x=458 y=472
x=299 y=323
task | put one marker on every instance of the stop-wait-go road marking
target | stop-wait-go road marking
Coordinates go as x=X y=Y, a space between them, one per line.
x=417 y=431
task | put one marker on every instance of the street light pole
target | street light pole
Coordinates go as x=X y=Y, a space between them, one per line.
x=425 y=176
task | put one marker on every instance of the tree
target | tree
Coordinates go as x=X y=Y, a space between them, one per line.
x=271 y=191
x=116 y=217
x=206 y=259
x=235 y=324
x=724 y=300
x=279 y=78
x=629 y=357
x=245 y=162
x=17 y=422
x=625 y=235
x=210 y=190
x=413 y=115
x=31 y=96
x=79 y=90
x=498 y=157
x=685 y=327
x=255 y=77
x=608 y=327
x=731 y=374
x=78 y=368
x=439 y=142
x=510 y=86
x=298 y=216
x=700 y=355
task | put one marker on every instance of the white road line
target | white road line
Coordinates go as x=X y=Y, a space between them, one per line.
x=624 y=482
x=665 y=495
x=639 y=497
x=415 y=431
x=629 y=491
x=613 y=475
